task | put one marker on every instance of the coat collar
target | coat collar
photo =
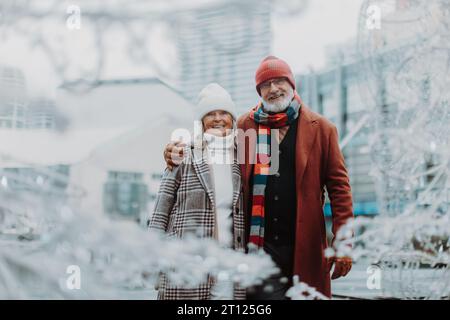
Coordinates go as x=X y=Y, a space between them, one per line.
x=306 y=134
x=203 y=170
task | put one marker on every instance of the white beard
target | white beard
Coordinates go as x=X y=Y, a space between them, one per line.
x=279 y=106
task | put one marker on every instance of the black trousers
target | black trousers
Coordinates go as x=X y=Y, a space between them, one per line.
x=276 y=286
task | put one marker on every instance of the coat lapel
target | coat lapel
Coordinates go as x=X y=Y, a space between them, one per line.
x=201 y=166
x=249 y=149
x=306 y=135
x=236 y=179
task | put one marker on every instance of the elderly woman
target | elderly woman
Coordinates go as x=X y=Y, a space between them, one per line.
x=203 y=196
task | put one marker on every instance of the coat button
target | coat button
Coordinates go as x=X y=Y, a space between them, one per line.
x=276 y=237
x=275 y=219
x=275 y=198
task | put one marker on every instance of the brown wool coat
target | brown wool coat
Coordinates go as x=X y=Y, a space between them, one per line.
x=319 y=164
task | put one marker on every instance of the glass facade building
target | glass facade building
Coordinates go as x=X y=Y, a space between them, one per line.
x=223 y=43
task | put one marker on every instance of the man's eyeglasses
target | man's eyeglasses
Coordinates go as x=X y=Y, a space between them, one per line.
x=277 y=82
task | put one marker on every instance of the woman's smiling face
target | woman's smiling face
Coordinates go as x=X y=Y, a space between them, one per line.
x=217 y=122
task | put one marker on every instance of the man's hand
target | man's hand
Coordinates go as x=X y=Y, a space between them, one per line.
x=173 y=154
x=342 y=266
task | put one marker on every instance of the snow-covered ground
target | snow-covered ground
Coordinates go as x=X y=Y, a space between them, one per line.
x=355 y=285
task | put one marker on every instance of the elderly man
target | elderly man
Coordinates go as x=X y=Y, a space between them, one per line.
x=284 y=209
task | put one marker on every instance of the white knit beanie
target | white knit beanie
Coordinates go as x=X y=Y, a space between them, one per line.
x=214 y=97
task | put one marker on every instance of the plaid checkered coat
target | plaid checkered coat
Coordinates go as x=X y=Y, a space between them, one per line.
x=185 y=204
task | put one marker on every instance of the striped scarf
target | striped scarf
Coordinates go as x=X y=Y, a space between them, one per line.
x=265 y=122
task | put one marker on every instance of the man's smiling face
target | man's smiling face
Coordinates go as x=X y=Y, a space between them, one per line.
x=276 y=94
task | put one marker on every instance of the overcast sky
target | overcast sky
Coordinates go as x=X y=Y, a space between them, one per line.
x=300 y=41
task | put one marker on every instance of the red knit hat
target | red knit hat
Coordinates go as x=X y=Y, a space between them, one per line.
x=272 y=67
